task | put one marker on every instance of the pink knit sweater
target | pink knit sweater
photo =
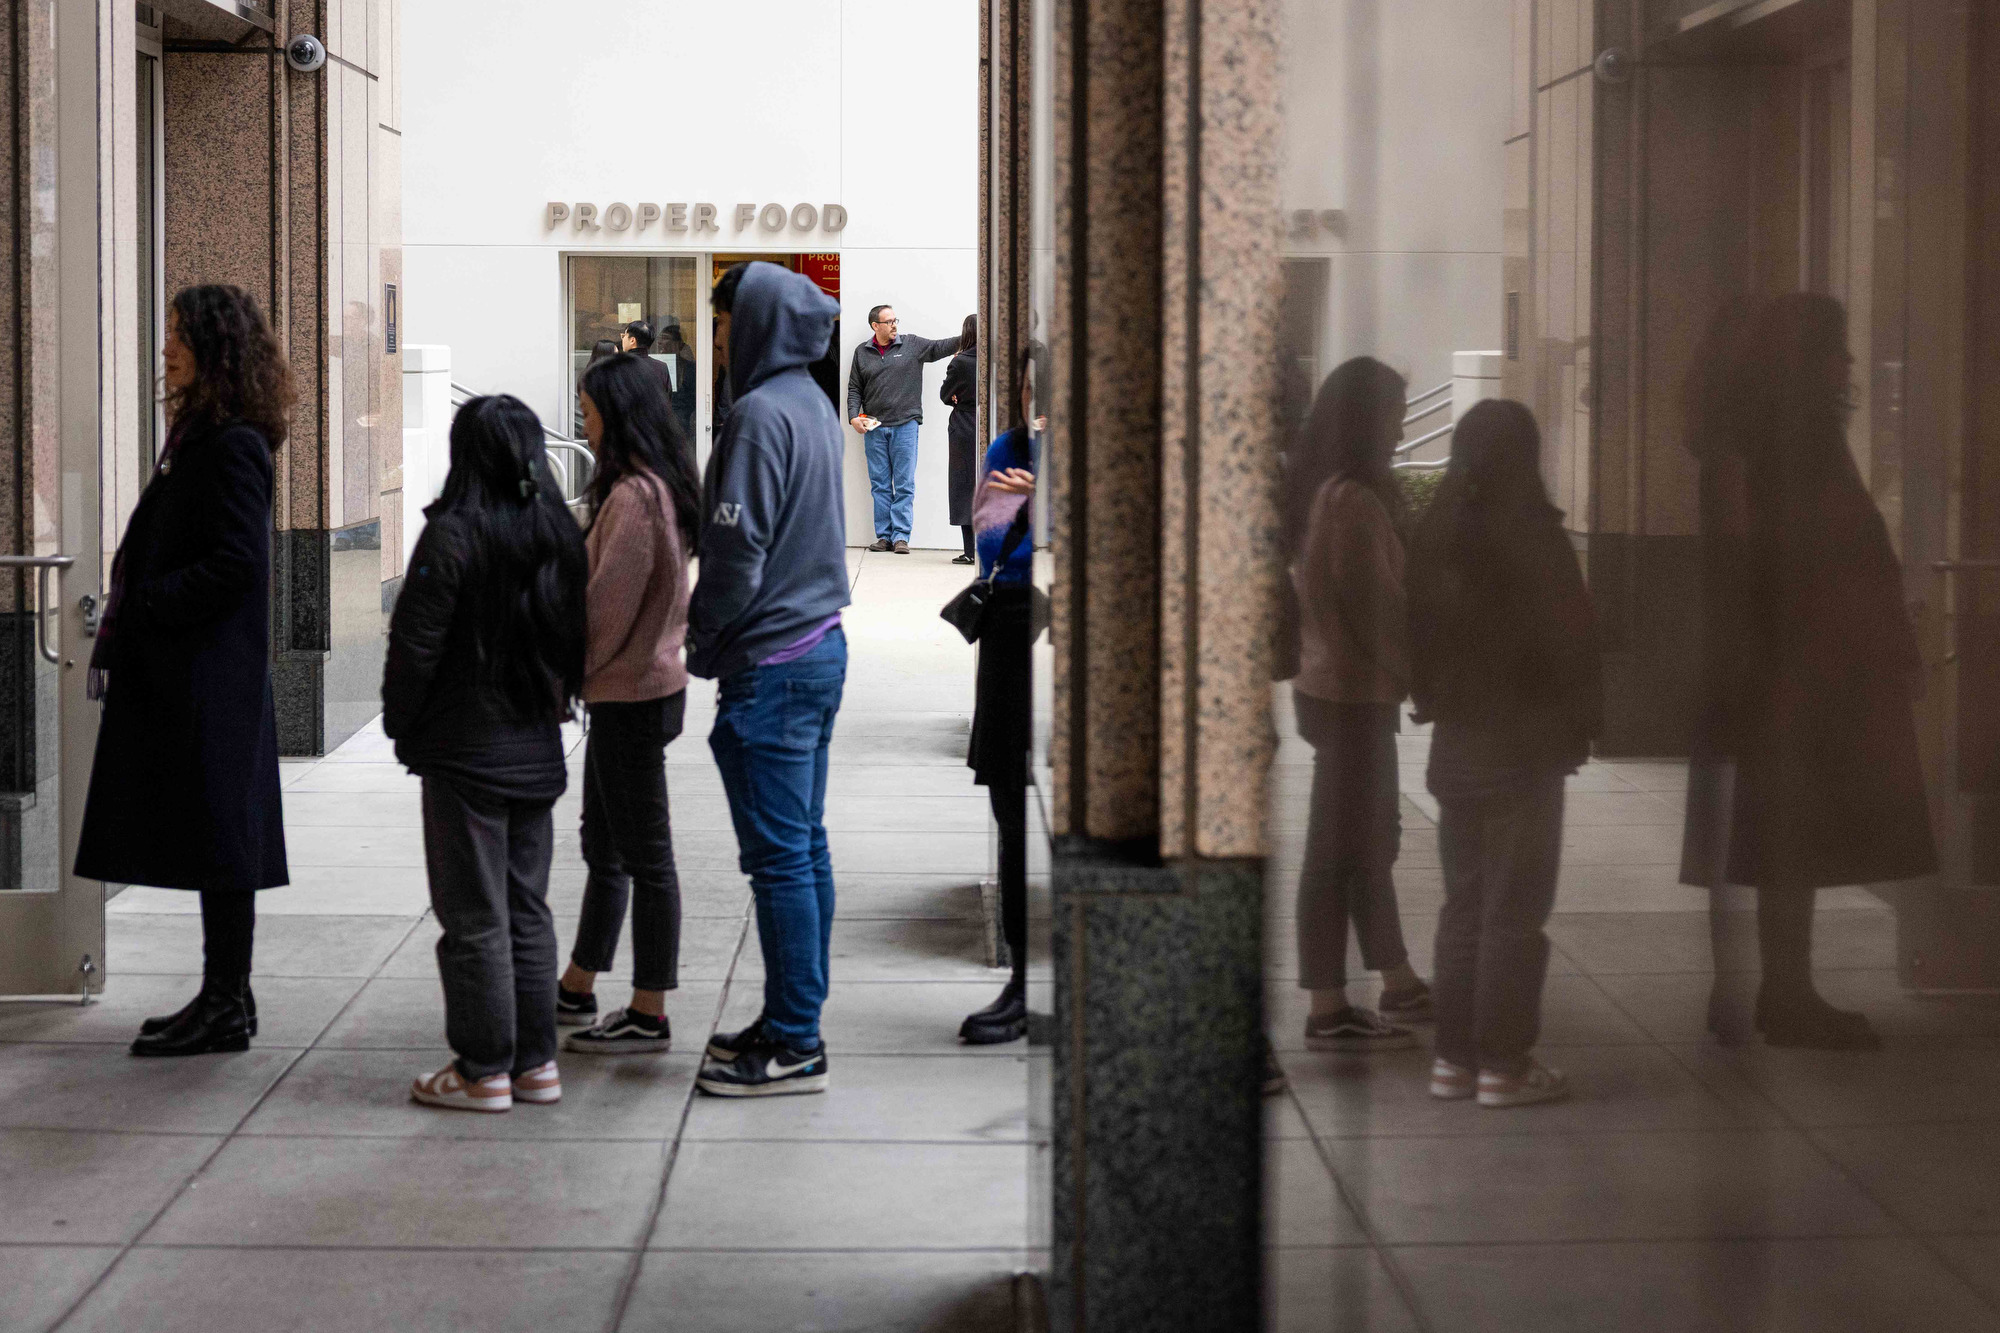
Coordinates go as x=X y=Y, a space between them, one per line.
x=638 y=599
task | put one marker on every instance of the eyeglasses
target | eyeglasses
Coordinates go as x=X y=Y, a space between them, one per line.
x=886 y=323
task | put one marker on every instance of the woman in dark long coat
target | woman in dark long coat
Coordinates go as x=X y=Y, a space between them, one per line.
x=184 y=790
x=961 y=391
x=1806 y=747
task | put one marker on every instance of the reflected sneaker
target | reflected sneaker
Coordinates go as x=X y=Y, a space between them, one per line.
x=766 y=1068
x=1538 y=1084
x=1411 y=1005
x=1452 y=1083
x=724 y=1047
x=623 y=1032
x=575 y=1009
x=1355 y=1029
x=451 y=1090
x=541 y=1085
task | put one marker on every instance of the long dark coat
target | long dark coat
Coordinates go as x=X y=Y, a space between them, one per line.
x=184 y=790
x=1809 y=663
x=961 y=391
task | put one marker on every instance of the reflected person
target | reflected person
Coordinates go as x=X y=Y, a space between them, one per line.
x=1341 y=526
x=1504 y=660
x=960 y=392
x=1807 y=750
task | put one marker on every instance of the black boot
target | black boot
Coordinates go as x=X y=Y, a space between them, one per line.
x=1006 y=1019
x=154 y=1026
x=218 y=1020
x=1801 y=1018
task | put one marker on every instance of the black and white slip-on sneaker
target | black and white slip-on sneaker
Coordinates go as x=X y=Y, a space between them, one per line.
x=575 y=1009
x=1355 y=1029
x=724 y=1047
x=623 y=1032
x=766 y=1068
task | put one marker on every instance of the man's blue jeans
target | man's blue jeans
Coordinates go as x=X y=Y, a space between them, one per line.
x=892 y=475
x=772 y=728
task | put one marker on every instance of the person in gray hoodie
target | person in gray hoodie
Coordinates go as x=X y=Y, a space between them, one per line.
x=765 y=623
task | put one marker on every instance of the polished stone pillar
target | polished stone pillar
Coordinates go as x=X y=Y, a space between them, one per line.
x=288 y=184
x=1162 y=341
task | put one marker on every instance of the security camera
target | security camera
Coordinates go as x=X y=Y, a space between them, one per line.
x=305 y=53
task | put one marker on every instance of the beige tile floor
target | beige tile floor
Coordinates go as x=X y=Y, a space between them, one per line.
x=1685 y=1187
x=295 y=1186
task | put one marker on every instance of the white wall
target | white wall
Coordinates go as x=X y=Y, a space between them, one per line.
x=1395 y=113
x=766 y=101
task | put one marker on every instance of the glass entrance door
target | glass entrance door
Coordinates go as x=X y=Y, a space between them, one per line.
x=607 y=293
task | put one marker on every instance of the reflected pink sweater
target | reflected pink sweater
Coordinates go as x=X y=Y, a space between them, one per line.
x=638 y=599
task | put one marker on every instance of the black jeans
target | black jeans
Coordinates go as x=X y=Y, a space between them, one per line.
x=1500 y=842
x=488 y=859
x=628 y=841
x=1010 y=811
x=228 y=925
x=1352 y=838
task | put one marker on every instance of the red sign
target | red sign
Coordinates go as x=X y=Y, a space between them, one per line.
x=823 y=270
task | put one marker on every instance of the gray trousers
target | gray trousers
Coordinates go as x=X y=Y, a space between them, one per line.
x=1500 y=841
x=488 y=860
x=1353 y=835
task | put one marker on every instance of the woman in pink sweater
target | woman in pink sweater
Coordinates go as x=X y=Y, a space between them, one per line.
x=647 y=503
x=1347 y=567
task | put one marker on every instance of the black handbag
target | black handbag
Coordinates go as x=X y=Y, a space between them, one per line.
x=966 y=612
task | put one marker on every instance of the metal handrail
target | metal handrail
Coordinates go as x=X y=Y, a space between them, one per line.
x=1428 y=394
x=42 y=565
x=1423 y=440
x=1442 y=405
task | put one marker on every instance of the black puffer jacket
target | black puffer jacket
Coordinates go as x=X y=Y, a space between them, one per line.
x=444 y=723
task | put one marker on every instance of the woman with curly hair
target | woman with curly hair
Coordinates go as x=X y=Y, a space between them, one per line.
x=184 y=790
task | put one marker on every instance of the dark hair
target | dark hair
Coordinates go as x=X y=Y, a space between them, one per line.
x=674 y=329
x=641 y=434
x=240 y=371
x=602 y=348
x=1342 y=437
x=1794 y=375
x=1493 y=483
x=724 y=297
x=528 y=567
x=968 y=334
x=641 y=334
x=875 y=312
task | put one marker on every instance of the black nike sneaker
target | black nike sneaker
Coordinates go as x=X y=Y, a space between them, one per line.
x=724 y=1047
x=766 y=1067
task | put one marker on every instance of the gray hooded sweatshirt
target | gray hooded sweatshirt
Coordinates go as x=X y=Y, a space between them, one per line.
x=774 y=542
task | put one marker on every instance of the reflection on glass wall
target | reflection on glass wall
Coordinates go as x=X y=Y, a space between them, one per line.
x=1633 y=914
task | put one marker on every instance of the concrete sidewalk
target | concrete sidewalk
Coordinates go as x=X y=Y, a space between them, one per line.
x=296 y=1185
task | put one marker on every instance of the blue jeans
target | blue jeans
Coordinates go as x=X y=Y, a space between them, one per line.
x=772 y=728
x=892 y=475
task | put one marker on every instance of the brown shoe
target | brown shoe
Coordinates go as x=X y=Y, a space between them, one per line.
x=881 y=544
x=902 y=548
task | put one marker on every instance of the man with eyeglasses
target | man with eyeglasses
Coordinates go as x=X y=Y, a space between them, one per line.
x=885 y=402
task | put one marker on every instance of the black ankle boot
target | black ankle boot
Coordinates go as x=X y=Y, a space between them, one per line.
x=218 y=1020
x=1006 y=1019
x=1802 y=1018
x=160 y=1023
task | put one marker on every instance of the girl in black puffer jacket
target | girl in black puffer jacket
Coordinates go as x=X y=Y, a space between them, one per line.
x=486 y=651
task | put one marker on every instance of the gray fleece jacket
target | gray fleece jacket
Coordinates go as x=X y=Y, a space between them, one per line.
x=774 y=546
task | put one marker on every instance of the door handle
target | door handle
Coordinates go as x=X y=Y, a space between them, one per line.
x=42 y=565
